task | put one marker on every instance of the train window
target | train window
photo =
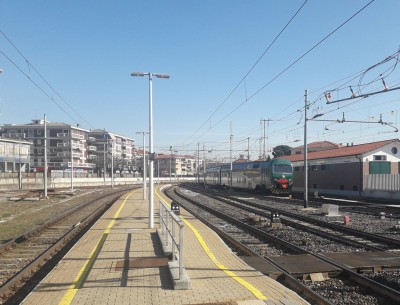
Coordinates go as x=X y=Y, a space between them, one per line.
x=282 y=168
x=324 y=167
x=296 y=169
x=314 y=167
x=341 y=187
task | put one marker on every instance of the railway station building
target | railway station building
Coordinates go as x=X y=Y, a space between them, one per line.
x=14 y=155
x=365 y=170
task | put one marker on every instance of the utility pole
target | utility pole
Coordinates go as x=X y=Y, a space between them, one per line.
x=104 y=163
x=204 y=162
x=170 y=165
x=231 y=139
x=112 y=163
x=305 y=152
x=144 y=163
x=45 y=158
x=72 y=164
x=19 y=169
x=264 y=150
x=198 y=162
x=248 y=149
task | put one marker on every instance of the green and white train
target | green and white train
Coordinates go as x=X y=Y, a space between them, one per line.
x=275 y=176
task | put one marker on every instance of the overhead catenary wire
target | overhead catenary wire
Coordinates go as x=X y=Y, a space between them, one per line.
x=42 y=78
x=39 y=87
x=282 y=72
x=248 y=72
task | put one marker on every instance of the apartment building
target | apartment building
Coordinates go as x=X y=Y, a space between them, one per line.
x=69 y=145
x=177 y=165
x=110 y=149
x=65 y=144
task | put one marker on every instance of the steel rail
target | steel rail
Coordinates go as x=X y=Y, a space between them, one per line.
x=371 y=284
x=10 y=287
x=284 y=275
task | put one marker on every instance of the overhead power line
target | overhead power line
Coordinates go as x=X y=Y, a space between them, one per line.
x=47 y=83
x=284 y=70
x=251 y=69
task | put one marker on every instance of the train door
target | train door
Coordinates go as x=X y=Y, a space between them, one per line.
x=263 y=177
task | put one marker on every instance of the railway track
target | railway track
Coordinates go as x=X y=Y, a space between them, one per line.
x=366 y=207
x=23 y=257
x=367 y=235
x=260 y=240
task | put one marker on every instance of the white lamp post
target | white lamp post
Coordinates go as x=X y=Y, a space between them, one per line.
x=151 y=152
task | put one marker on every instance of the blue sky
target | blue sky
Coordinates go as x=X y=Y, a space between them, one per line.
x=86 y=51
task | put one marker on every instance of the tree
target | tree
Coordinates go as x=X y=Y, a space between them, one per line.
x=281 y=150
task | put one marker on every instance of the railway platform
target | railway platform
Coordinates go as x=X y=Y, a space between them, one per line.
x=120 y=261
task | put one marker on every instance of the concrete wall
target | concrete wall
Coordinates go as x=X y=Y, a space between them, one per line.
x=386 y=186
x=37 y=182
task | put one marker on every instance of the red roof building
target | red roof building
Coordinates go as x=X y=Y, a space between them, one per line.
x=349 y=170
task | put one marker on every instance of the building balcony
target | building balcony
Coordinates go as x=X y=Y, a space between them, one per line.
x=62 y=135
x=92 y=157
x=15 y=135
x=92 y=148
x=80 y=165
x=63 y=154
x=77 y=136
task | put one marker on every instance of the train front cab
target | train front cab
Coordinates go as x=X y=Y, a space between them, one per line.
x=282 y=176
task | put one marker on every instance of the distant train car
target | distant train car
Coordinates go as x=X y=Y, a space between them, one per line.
x=212 y=176
x=275 y=176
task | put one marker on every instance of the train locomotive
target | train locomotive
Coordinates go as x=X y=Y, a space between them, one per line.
x=274 y=176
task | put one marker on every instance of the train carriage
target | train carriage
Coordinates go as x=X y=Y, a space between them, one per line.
x=275 y=176
x=212 y=176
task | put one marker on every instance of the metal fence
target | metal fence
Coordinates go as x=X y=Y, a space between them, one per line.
x=382 y=182
x=168 y=222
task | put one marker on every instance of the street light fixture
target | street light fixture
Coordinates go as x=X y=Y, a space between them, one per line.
x=151 y=152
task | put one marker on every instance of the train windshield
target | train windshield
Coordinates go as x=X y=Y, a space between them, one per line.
x=282 y=168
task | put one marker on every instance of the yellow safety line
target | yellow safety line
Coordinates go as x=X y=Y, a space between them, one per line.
x=241 y=281
x=84 y=271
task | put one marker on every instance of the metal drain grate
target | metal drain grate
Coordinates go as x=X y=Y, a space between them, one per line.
x=141 y=262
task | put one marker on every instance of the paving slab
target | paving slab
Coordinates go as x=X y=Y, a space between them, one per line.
x=120 y=261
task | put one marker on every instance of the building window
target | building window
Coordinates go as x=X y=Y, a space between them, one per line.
x=379 y=158
x=394 y=150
